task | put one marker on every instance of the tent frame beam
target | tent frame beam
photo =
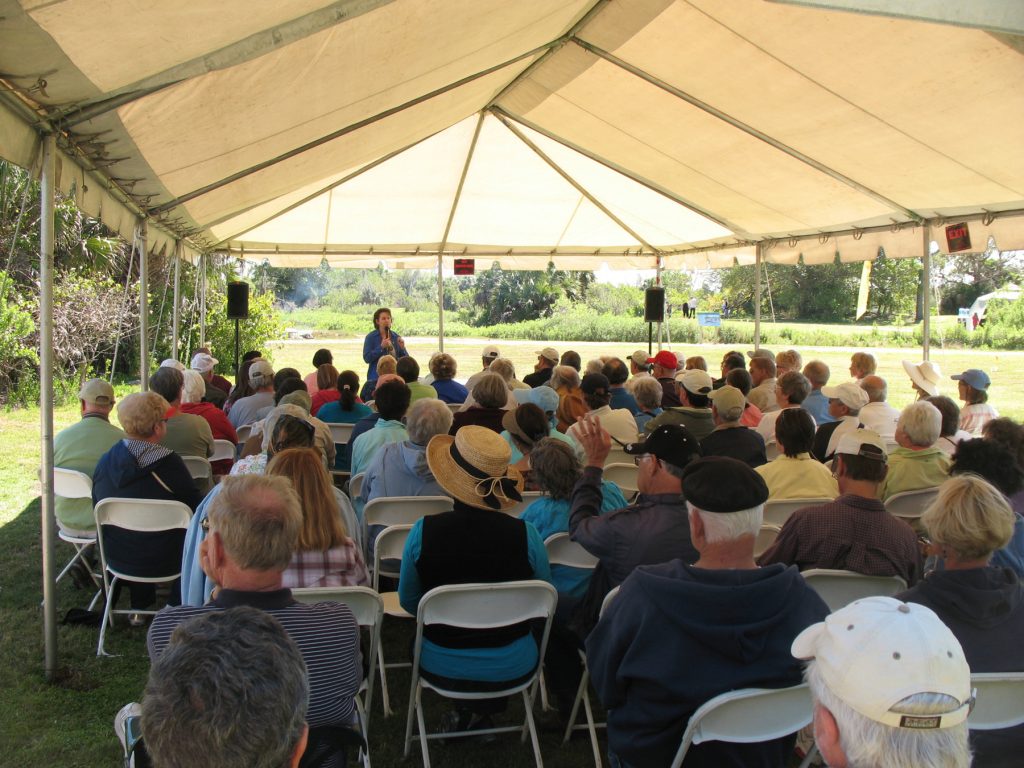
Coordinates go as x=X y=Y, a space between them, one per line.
x=991 y=15
x=748 y=129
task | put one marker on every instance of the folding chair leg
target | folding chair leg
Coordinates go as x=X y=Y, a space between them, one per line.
x=413 y=699
x=545 y=705
x=107 y=607
x=810 y=757
x=588 y=710
x=423 y=729
x=532 y=727
x=385 y=699
x=364 y=754
x=581 y=694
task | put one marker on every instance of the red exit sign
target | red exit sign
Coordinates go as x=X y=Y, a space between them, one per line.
x=958 y=237
x=465 y=266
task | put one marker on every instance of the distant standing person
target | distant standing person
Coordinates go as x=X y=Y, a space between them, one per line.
x=381 y=341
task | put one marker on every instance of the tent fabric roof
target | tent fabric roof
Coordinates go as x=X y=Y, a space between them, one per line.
x=578 y=131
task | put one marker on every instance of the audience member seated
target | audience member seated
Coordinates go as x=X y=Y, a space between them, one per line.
x=789 y=360
x=261 y=381
x=241 y=388
x=917 y=462
x=617 y=373
x=678 y=634
x=392 y=400
x=443 y=368
x=647 y=392
x=696 y=362
x=973 y=389
x=854 y=532
x=192 y=403
x=924 y=378
x=138 y=467
x=950 y=434
x=1009 y=434
x=619 y=423
x=730 y=361
x=791 y=388
x=565 y=380
x=862 y=364
x=320 y=357
x=475 y=542
x=287 y=432
x=80 y=447
x=638 y=368
x=254 y=528
x=890 y=687
x=409 y=371
x=186 y=434
x=982 y=605
x=878 y=415
x=547 y=359
x=524 y=428
x=504 y=368
x=326 y=388
x=295 y=403
x=664 y=370
x=844 y=404
x=546 y=399
x=326 y=556
x=816 y=404
x=366 y=423
x=654 y=529
x=795 y=474
x=286 y=380
x=595 y=365
x=740 y=378
x=694 y=410
x=217 y=380
x=490 y=395
x=556 y=469
x=386 y=365
x=730 y=438
x=488 y=355
x=572 y=359
x=203 y=364
x=763 y=375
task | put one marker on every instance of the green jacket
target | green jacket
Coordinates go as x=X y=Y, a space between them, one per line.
x=698 y=420
x=912 y=470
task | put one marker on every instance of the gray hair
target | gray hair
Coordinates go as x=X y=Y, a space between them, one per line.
x=595 y=366
x=490 y=391
x=648 y=392
x=921 y=422
x=555 y=468
x=230 y=689
x=426 y=418
x=195 y=387
x=167 y=382
x=564 y=375
x=867 y=743
x=729 y=526
x=503 y=367
x=258 y=518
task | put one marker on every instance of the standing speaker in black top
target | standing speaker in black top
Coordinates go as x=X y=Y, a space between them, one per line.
x=238 y=301
x=654 y=305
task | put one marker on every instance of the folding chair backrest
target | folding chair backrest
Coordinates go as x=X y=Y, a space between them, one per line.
x=617 y=456
x=366 y=605
x=340 y=433
x=840 y=588
x=143 y=515
x=70 y=484
x=222 y=449
x=564 y=551
x=198 y=466
x=777 y=511
x=389 y=546
x=1000 y=701
x=528 y=498
x=355 y=485
x=486 y=606
x=624 y=475
x=771 y=450
x=402 y=510
x=748 y=716
x=766 y=537
x=910 y=505
x=454 y=407
x=243 y=433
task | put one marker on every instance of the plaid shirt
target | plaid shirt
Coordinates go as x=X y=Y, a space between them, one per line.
x=852 y=533
x=341 y=566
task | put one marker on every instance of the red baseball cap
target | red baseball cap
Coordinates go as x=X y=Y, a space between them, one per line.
x=665 y=359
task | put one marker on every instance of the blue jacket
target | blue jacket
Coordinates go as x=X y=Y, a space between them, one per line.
x=372 y=352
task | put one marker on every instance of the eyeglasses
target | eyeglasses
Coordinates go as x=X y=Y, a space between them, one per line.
x=644 y=457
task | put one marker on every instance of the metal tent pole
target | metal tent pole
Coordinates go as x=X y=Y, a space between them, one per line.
x=202 y=301
x=657 y=283
x=759 y=256
x=176 y=316
x=48 y=520
x=143 y=307
x=926 y=299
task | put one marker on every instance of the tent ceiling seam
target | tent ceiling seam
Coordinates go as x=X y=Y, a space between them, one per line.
x=462 y=181
x=745 y=128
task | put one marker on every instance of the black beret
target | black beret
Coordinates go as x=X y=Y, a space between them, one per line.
x=721 y=484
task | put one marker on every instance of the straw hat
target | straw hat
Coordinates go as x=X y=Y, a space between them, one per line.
x=926 y=375
x=473 y=466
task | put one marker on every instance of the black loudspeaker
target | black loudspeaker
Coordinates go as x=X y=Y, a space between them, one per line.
x=238 y=301
x=654 y=305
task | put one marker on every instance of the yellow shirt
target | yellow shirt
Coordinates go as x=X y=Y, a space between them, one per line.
x=802 y=477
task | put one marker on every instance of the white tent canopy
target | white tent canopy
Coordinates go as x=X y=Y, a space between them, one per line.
x=565 y=130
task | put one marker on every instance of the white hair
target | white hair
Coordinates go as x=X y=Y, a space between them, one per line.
x=426 y=418
x=868 y=744
x=731 y=525
x=594 y=366
x=195 y=387
x=648 y=392
x=564 y=375
x=921 y=422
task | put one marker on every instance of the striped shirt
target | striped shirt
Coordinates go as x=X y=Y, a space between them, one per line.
x=326 y=633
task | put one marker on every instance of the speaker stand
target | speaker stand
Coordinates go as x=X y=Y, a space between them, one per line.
x=236 y=351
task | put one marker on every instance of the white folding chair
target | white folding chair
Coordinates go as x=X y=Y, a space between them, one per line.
x=520 y=506
x=368 y=608
x=404 y=510
x=389 y=546
x=355 y=485
x=771 y=450
x=1000 y=701
x=890 y=446
x=617 y=456
x=201 y=471
x=340 y=433
x=455 y=407
x=564 y=551
x=223 y=449
x=243 y=434
x=623 y=475
x=839 y=588
x=141 y=516
x=777 y=511
x=480 y=606
x=766 y=537
x=748 y=716
x=70 y=484
x=583 y=697
x=910 y=505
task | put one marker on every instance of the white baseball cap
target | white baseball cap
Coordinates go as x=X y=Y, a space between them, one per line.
x=849 y=394
x=877 y=651
x=490 y=351
x=695 y=381
x=203 y=362
x=852 y=444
